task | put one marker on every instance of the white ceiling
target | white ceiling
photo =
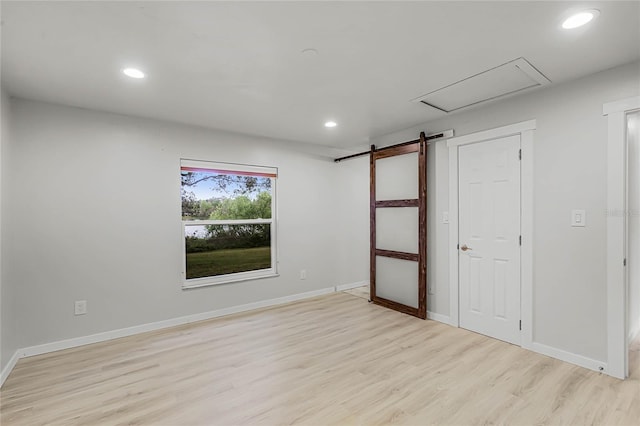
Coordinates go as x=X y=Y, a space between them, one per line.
x=238 y=66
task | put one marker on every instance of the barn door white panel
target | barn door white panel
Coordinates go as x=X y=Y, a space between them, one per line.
x=397 y=228
x=397 y=177
x=397 y=280
x=489 y=232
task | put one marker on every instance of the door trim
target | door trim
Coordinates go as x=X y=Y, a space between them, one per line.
x=525 y=130
x=617 y=334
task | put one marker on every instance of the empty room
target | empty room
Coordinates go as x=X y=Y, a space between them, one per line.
x=320 y=212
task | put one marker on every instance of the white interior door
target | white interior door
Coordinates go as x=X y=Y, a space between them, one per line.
x=489 y=237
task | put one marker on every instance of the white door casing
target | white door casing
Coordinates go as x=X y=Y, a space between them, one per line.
x=632 y=227
x=489 y=231
x=617 y=333
x=525 y=130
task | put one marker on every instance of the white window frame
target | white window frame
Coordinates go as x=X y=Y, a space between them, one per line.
x=238 y=276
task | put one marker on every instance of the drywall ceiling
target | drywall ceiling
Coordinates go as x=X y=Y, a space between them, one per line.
x=239 y=66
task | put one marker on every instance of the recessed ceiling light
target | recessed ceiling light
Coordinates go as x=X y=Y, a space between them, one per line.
x=133 y=73
x=579 y=19
x=330 y=124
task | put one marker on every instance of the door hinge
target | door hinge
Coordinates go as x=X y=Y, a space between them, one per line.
x=458 y=247
x=520 y=154
x=520 y=325
x=520 y=240
x=624 y=262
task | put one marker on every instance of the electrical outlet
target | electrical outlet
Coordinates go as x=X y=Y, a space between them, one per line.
x=445 y=217
x=80 y=307
x=303 y=274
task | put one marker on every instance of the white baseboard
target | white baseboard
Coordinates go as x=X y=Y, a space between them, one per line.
x=129 y=331
x=438 y=317
x=349 y=286
x=570 y=357
x=7 y=368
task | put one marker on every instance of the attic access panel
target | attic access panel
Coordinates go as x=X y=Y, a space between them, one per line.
x=502 y=80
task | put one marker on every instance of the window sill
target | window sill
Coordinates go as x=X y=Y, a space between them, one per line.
x=207 y=282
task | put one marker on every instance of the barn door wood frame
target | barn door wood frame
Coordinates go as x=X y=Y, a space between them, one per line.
x=419 y=146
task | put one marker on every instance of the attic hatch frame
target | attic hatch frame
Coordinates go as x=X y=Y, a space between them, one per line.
x=526 y=69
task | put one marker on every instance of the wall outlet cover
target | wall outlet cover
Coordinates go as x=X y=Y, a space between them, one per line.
x=80 y=307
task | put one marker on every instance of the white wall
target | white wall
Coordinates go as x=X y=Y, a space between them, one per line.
x=569 y=305
x=8 y=343
x=3 y=136
x=93 y=212
x=633 y=223
x=352 y=244
x=438 y=238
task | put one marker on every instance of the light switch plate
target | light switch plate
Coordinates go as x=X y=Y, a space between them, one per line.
x=578 y=218
x=445 y=217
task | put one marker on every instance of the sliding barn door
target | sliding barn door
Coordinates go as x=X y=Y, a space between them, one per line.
x=399 y=227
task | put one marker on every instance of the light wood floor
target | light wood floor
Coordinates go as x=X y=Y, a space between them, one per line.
x=335 y=359
x=362 y=292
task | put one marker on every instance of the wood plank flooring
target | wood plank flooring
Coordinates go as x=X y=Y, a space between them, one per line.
x=334 y=359
x=362 y=292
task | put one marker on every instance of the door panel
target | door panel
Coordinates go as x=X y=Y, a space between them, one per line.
x=475 y=292
x=489 y=229
x=500 y=286
x=397 y=280
x=397 y=229
x=397 y=177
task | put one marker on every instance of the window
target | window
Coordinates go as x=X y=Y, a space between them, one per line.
x=228 y=222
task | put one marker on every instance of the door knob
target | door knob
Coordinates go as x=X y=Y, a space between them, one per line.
x=465 y=248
